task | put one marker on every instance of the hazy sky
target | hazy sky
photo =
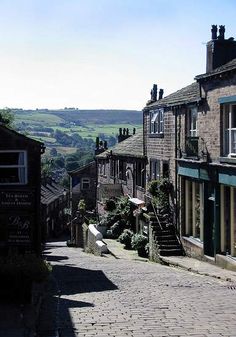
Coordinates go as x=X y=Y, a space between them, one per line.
x=103 y=53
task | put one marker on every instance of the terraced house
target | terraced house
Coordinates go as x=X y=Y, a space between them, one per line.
x=190 y=136
x=121 y=170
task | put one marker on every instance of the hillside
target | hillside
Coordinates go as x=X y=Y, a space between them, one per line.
x=79 y=117
x=69 y=128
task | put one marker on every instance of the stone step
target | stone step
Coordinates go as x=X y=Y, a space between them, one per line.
x=168 y=246
x=171 y=252
x=165 y=237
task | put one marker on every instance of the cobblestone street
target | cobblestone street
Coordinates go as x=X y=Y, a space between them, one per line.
x=105 y=296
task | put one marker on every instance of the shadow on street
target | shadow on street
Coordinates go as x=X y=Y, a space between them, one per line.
x=72 y=280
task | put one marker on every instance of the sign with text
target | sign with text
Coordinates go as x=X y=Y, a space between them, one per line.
x=19 y=230
x=16 y=199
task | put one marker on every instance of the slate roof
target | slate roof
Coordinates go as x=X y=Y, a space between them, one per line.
x=186 y=95
x=130 y=147
x=12 y=132
x=84 y=167
x=51 y=192
x=222 y=69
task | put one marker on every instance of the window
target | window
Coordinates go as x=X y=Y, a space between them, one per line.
x=156 y=121
x=13 y=168
x=191 y=144
x=192 y=129
x=229 y=124
x=122 y=170
x=112 y=168
x=140 y=174
x=85 y=184
x=154 y=169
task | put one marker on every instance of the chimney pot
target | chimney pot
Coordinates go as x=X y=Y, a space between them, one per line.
x=154 y=93
x=221 y=32
x=161 y=92
x=214 y=32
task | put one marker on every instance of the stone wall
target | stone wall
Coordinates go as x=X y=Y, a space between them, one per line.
x=161 y=147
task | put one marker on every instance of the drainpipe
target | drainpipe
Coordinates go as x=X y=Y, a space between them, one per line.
x=176 y=174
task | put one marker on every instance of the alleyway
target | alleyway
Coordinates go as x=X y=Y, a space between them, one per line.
x=104 y=296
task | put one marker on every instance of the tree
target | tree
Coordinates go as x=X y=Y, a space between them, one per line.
x=6 y=116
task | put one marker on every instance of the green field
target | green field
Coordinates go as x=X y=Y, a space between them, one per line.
x=41 y=125
x=37 y=118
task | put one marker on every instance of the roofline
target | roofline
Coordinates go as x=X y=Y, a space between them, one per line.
x=81 y=168
x=172 y=105
x=200 y=77
x=20 y=134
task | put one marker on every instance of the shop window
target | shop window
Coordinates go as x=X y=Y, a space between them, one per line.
x=229 y=126
x=194 y=209
x=85 y=184
x=157 y=122
x=13 y=168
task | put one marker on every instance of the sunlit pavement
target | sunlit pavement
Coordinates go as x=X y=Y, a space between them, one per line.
x=105 y=296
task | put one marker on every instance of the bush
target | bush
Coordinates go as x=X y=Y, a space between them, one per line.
x=139 y=243
x=126 y=238
x=117 y=229
x=110 y=205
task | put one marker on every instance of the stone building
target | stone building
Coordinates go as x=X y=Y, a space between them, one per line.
x=189 y=136
x=20 y=174
x=54 y=209
x=83 y=186
x=121 y=170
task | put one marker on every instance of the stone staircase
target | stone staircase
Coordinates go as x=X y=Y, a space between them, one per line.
x=165 y=238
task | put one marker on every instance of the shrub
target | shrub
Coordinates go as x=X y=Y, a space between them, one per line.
x=110 y=205
x=117 y=229
x=139 y=243
x=126 y=238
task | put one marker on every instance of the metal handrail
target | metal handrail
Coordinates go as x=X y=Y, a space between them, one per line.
x=154 y=209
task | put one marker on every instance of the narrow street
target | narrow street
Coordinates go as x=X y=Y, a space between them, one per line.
x=104 y=296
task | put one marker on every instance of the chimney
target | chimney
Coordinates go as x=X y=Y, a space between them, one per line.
x=214 y=32
x=154 y=93
x=100 y=146
x=219 y=49
x=161 y=92
x=124 y=135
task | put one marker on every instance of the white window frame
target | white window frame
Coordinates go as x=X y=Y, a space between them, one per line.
x=22 y=166
x=85 y=181
x=157 y=121
x=229 y=148
x=193 y=129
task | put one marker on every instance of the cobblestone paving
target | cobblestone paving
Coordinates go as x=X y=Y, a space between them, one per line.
x=103 y=296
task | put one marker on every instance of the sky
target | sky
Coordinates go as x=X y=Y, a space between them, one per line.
x=103 y=54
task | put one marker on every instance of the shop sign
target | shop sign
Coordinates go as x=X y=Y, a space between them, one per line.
x=16 y=199
x=19 y=230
